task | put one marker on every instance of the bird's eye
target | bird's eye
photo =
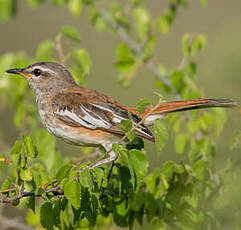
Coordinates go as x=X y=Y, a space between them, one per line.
x=37 y=72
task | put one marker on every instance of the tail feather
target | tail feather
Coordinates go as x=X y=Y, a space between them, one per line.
x=177 y=106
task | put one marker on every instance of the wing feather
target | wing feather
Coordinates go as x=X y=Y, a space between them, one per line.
x=75 y=109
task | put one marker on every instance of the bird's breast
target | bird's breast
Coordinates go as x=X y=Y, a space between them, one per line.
x=77 y=135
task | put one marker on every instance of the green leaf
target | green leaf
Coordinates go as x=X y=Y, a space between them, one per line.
x=123 y=52
x=126 y=125
x=142 y=105
x=199 y=42
x=126 y=66
x=194 y=152
x=17 y=148
x=142 y=21
x=163 y=25
x=7 y=9
x=82 y=59
x=177 y=80
x=47 y=152
x=96 y=19
x=148 y=49
x=44 y=51
x=62 y=172
x=47 y=217
x=34 y=3
x=203 y=3
x=150 y=205
x=135 y=142
x=32 y=219
x=29 y=146
x=31 y=203
x=59 y=2
x=161 y=134
x=167 y=169
x=75 y=7
x=185 y=43
x=85 y=179
x=100 y=177
x=152 y=181
x=71 y=32
x=26 y=174
x=137 y=201
x=37 y=179
x=78 y=75
x=6 y=184
x=200 y=169
x=139 y=164
x=164 y=21
x=119 y=15
x=56 y=210
x=126 y=61
x=159 y=84
x=192 y=44
x=180 y=143
x=72 y=192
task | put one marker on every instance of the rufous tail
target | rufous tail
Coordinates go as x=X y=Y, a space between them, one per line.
x=176 y=106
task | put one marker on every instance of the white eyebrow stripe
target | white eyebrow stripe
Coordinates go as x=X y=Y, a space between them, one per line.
x=42 y=68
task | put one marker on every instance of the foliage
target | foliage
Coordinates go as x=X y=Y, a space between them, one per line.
x=182 y=195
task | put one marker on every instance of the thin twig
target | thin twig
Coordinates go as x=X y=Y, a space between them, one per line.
x=8 y=190
x=2 y=159
x=55 y=190
x=59 y=49
x=137 y=49
x=184 y=59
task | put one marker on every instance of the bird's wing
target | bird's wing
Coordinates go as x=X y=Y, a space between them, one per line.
x=94 y=110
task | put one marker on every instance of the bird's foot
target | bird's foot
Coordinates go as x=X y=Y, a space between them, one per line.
x=112 y=157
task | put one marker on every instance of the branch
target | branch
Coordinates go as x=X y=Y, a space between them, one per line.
x=55 y=190
x=134 y=47
x=3 y=159
x=59 y=49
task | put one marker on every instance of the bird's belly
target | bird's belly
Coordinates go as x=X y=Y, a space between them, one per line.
x=77 y=135
x=84 y=136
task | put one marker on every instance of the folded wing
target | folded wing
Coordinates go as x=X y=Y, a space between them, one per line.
x=77 y=109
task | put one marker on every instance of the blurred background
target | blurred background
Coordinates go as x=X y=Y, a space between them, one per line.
x=219 y=65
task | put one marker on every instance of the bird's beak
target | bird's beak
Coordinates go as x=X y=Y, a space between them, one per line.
x=20 y=71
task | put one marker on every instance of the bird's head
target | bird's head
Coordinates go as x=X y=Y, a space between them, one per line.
x=45 y=77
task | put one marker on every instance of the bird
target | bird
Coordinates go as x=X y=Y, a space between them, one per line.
x=86 y=117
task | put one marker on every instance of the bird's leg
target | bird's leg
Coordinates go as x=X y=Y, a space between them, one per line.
x=112 y=157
